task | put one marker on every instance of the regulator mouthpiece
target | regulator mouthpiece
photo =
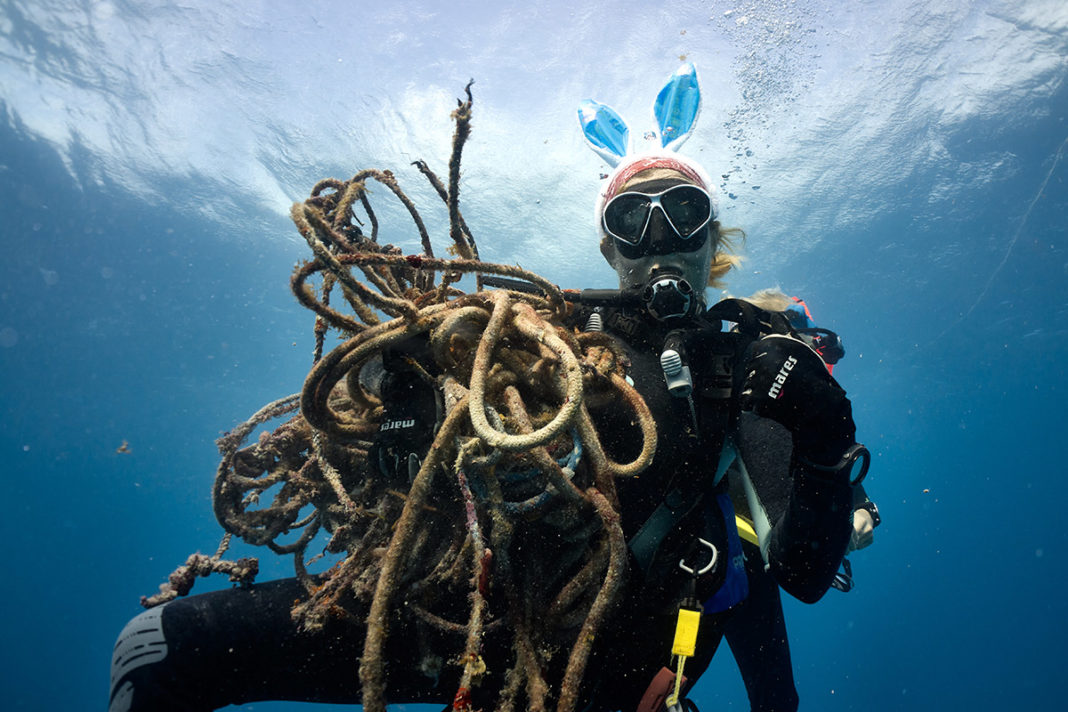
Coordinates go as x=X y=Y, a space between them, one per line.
x=669 y=296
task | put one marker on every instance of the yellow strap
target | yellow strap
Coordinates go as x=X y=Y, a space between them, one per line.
x=745 y=530
x=673 y=698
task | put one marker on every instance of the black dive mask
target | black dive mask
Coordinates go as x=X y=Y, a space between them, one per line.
x=687 y=209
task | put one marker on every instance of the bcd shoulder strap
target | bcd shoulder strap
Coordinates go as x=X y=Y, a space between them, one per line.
x=751 y=319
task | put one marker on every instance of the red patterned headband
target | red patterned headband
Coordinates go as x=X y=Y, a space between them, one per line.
x=645 y=163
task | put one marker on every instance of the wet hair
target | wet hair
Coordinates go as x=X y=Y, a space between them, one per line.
x=729 y=241
x=770 y=299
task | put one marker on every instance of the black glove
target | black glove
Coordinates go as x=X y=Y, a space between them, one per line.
x=788 y=382
x=411 y=410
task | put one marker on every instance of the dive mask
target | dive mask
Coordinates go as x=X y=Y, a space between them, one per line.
x=687 y=209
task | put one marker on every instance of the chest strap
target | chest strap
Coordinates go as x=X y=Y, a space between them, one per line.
x=676 y=506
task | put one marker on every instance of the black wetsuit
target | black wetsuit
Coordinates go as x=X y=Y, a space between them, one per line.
x=756 y=632
x=241 y=645
x=756 y=635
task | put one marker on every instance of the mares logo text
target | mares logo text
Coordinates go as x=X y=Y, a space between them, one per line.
x=776 y=387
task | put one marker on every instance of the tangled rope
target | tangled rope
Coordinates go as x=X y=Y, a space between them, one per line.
x=515 y=459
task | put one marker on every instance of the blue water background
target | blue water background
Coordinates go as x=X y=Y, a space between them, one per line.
x=900 y=165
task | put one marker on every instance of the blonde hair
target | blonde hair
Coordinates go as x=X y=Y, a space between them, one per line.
x=729 y=241
x=771 y=299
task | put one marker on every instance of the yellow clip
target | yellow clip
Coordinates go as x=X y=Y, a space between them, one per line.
x=684 y=647
x=686 y=633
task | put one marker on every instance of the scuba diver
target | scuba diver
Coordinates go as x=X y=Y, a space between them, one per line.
x=659 y=232
x=705 y=386
x=756 y=631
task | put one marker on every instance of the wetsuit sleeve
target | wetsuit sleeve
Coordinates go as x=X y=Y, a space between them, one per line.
x=807 y=545
x=242 y=645
x=810 y=514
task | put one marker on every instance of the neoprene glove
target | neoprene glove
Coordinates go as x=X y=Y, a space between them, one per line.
x=410 y=405
x=788 y=382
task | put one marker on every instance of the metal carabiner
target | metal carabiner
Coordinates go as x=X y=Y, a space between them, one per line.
x=708 y=567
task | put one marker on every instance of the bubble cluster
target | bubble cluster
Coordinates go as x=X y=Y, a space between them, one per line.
x=775 y=65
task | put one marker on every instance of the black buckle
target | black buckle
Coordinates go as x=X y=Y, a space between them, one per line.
x=843 y=580
x=855 y=452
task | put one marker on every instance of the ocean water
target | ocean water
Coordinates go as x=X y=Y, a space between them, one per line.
x=901 y=165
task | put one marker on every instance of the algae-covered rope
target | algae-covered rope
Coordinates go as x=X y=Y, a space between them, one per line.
x=502 y=309
x=371 y=665
x=515 y=379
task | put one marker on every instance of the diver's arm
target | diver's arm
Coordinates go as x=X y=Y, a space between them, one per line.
x=787 y=382
x=243 y=645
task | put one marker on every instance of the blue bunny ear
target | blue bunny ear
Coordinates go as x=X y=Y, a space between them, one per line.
x=604 y=129
x=677 y=106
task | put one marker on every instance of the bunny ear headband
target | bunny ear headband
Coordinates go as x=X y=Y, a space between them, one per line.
x=675 y=110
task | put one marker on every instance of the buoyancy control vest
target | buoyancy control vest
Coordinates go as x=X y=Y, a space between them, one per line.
x=682 y=496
